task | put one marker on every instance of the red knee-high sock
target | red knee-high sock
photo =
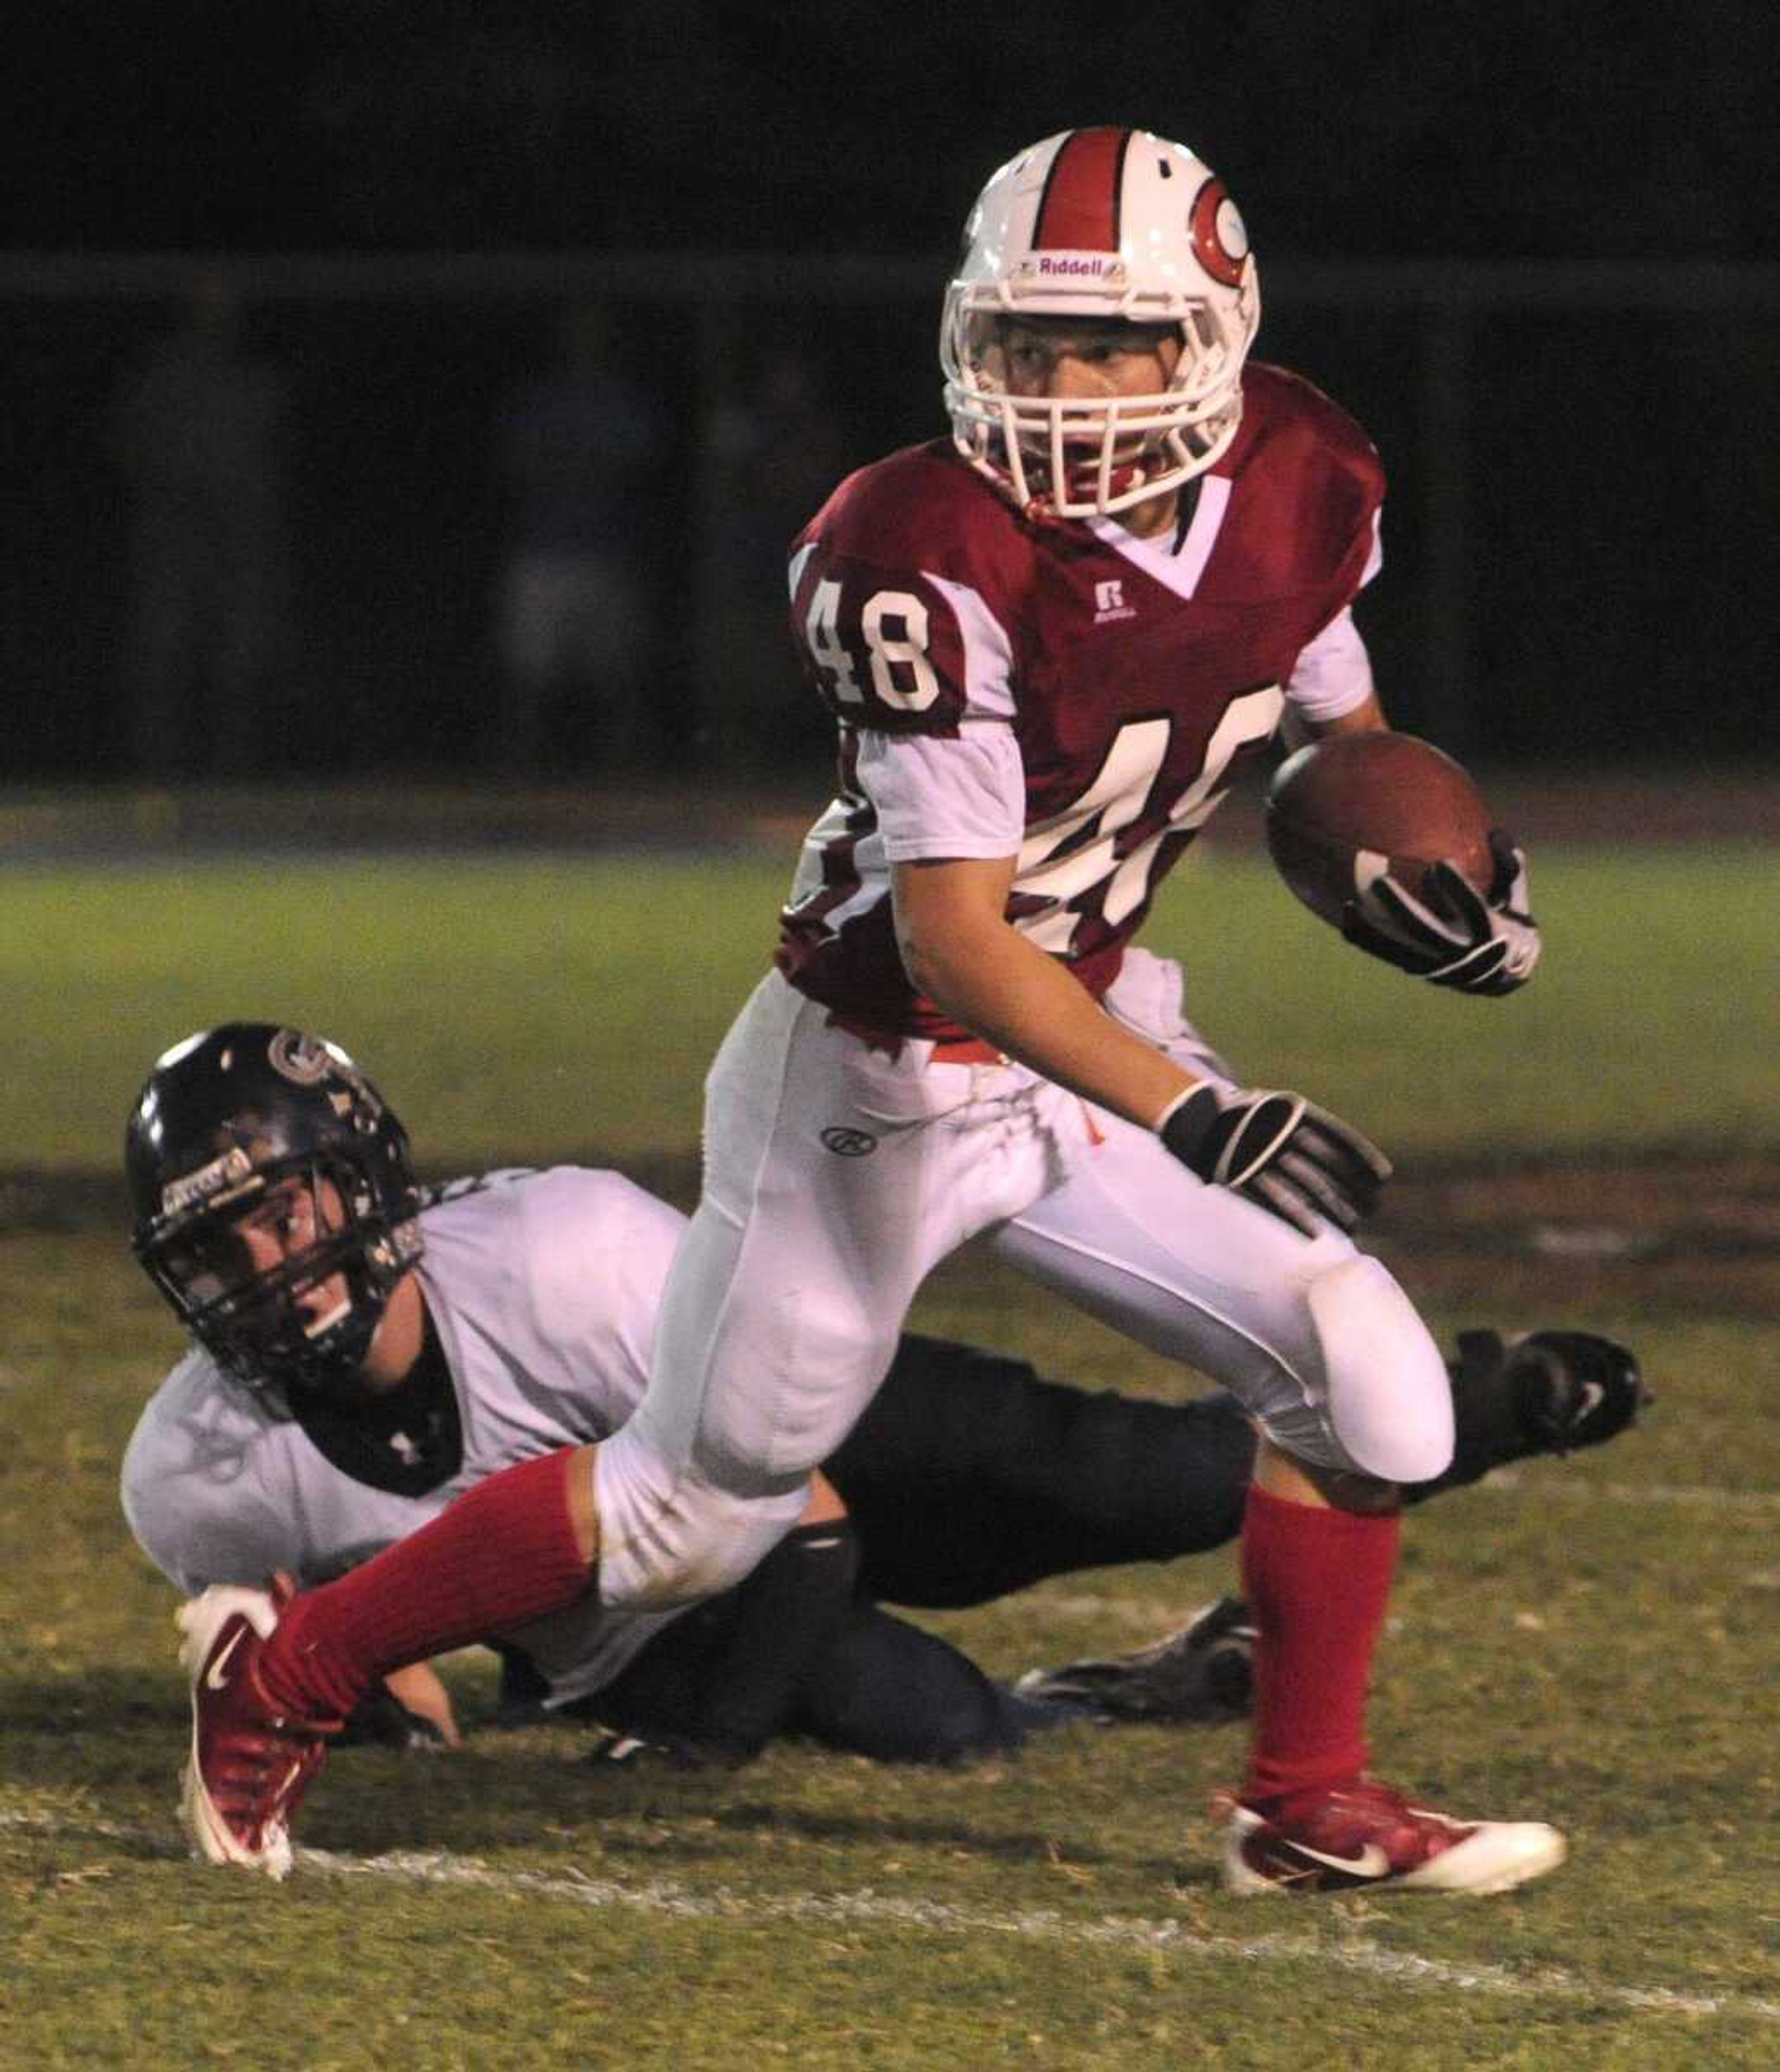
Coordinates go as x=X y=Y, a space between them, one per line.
x=1317 y=1582
x=502 y=1553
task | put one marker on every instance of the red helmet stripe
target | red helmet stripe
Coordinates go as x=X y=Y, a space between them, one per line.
x=1078 y=209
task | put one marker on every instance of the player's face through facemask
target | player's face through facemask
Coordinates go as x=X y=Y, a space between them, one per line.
x=285 y=1228
x=1084 y=358
x=260 y=1265
x=1106 y=380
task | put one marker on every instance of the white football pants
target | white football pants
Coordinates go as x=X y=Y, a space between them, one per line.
x=836 y=1177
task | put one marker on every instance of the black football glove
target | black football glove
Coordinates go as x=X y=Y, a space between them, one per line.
x=1547 y=1392
x=1453 y=934
x=1574 y=1389
x=1280 y=1150
x=380 y=1720
x=653 y=1755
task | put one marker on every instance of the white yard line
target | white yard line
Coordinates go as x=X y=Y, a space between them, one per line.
x=1356 y=1955
x=1511 y=1482
x=1146 y=1611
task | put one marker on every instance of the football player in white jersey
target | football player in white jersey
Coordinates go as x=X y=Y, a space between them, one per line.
x=1046 y=642
x=364 y=1350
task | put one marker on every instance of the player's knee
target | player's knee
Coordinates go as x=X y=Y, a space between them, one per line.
x=971 y=1727
x=706 y=1543
x=962 y=1719
x=669 y=1536
x=1388 y=1400
x=895 y=1692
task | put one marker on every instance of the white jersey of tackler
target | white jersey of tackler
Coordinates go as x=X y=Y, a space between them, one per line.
x=543 y=1288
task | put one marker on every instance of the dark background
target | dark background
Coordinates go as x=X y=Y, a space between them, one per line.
x=1530 y=246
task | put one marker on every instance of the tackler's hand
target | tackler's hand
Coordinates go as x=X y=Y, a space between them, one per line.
x=1288 y=1156
x=1452 y=934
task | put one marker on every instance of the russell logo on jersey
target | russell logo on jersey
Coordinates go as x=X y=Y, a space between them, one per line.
x=1109 y=603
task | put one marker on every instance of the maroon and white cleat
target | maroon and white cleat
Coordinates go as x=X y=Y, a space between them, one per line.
x=249 y=1765
x=1365 y=1836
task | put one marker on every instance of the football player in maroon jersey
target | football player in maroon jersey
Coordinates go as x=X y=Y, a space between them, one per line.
x=1047 y=641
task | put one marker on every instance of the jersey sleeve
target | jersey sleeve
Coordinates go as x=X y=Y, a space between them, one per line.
x=1333 y=674
x=195 y=1496
x=1310 y=487
x=1374 y=551
x=893 y=614
x=899 y=650
x=964 y=796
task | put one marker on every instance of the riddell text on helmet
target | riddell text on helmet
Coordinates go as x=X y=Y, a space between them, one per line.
x=1077 y=265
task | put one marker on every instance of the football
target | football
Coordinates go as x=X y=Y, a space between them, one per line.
x=1374 y=802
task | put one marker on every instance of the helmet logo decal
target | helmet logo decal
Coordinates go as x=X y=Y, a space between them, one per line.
x=302 y=1060
x=232 y=1169
x=1220 y=239
x=1079 y=208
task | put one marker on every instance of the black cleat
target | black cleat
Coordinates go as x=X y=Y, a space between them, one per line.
x=1203 y=1672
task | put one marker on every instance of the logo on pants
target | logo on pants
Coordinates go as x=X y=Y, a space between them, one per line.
x=849 y=1143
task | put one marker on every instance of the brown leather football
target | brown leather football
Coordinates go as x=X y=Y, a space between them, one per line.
x=1402 y=802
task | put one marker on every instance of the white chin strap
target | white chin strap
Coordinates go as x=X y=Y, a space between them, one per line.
x=337 y=1314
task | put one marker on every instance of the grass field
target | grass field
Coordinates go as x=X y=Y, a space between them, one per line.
x=1593 y=1641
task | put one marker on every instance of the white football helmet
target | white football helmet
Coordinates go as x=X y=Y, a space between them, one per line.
x=1096 y=224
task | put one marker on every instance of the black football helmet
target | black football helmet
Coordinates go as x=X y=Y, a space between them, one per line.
x=226 y=1115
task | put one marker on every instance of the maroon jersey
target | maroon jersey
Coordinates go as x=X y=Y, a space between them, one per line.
x=1134 y=674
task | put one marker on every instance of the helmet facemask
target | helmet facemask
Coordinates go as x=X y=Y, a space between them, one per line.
x=1088 y=457
x=253 y=1321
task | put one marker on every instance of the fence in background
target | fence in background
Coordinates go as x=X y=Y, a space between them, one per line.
x=1579 y=540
